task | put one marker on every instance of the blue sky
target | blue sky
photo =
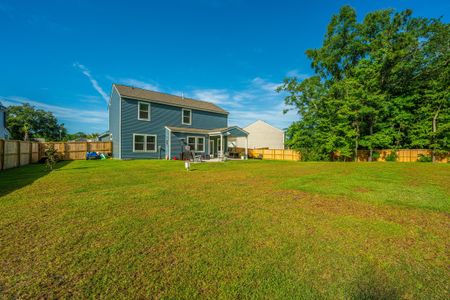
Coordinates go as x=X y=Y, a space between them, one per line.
x=63 y=56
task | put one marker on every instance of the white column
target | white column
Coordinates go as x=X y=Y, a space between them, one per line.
x=246 y=147
x=221 y=145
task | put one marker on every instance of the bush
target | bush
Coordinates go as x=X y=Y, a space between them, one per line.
x=424 y=158
x=375 y=155
x=52 y=157
x=391 y=156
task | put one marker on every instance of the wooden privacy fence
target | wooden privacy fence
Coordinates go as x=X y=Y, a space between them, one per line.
x=19 y=153
x=403 y=155
x=76 y=150
x=276 y=154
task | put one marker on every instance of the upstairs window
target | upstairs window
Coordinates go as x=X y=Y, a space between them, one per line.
x=144 y=111
x=186 y=116
x=144 y=142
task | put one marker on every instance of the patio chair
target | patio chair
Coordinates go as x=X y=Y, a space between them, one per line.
x=196 y=157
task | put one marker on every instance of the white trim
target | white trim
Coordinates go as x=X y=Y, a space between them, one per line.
x=145 y=143
x=196 y=138
x=190 y=116
x=139 y=111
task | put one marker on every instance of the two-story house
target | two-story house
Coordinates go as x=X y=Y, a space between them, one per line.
x=149 y=124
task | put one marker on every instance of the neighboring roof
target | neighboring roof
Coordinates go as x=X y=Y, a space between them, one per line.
x=204 y=131
x=264 y=122
x=2 y=107
x=152 y=96
x=106 y=133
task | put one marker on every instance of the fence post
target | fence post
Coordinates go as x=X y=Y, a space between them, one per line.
x=65 y=150
x=30 y=154
x=18 y=153
x=2 y=155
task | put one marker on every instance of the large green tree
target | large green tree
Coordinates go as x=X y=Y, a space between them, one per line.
x=25 y=122
x=382 y=82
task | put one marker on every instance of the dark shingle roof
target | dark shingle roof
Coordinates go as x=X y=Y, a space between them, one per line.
x=146 y=95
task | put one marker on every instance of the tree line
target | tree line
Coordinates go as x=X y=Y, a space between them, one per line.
x=380 y=83
x=25 y=122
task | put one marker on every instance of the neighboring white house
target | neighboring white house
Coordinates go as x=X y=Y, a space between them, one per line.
x=260 y=135
x=3 y=132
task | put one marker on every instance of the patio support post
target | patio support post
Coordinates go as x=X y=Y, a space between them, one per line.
x=221 y=146
x=246 y=147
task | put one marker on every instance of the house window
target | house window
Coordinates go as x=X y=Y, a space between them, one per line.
x=196 y=143
x=144 y=111
x=200 y=144
x=186 y=116
x=191 y=143
x=144 y=143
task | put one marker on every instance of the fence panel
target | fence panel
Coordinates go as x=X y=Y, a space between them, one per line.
x=76 y=150
x=34 y=152
x=403 y=155
x=24 y=154
x=274 y=154
x=11 y=158
x=19 y=153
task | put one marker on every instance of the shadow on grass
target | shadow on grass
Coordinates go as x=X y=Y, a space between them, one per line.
x=17 y=178
x=372 y=284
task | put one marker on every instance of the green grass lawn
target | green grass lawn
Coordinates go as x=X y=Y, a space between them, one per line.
x=260 y=229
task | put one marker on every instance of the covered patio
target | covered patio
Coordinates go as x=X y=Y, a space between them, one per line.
x=220 y=137
x=209 y=144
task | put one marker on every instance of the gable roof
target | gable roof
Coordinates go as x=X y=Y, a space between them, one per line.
x=152 y=96
x=262 y=122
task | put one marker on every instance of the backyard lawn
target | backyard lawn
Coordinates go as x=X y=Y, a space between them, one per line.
x=263 y=229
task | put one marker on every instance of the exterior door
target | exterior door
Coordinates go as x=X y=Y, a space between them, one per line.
x=211 y=147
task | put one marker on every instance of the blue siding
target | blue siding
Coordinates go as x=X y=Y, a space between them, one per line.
x=114 y=117
x=160 y=116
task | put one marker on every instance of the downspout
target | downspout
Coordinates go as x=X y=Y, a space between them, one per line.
x=169 y=146
x=120 y=127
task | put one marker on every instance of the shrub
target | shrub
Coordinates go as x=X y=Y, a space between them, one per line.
x=375 y=155
x=391 y=156
x=52 y=157
x=424 y=158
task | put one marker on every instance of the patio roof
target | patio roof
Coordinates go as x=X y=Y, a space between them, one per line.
x=232 y=130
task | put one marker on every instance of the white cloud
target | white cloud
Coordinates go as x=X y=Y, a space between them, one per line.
x=298 y=74
x=86 y=116
x=256 y=101
x=94 y=82
x=265 y=85
x=217 y=96
x=138 y=84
